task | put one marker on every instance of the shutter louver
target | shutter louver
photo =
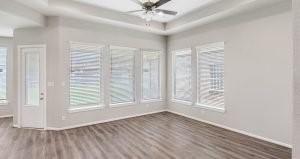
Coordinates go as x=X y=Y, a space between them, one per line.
x=151 y=75
x=122 y=84
x=182 y=76
x=85 y=74
x=3 y=56
x=210 y=59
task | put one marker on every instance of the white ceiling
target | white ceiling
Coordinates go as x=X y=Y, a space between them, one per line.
x=181 y=6
x=14 y=15
x=191 y=13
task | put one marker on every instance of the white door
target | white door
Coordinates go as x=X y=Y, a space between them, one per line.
x=32 y=86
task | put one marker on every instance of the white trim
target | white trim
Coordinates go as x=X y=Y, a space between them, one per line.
x=6 y=103
x=187 y=116
x=77 y=43
x=116 y=105
x=19 y=56
x=16 y=126
x=6 y=116
x=123 y=47
x=234 y=130
x=152 y=101
x=84 y=109
x=103 y=121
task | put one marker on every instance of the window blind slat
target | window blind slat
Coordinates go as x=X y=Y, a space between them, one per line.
x=122 y=75
x=85 y=74
x=151 y=75
x=211 y=75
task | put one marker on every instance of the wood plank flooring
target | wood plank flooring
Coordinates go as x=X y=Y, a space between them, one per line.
x=157 y=136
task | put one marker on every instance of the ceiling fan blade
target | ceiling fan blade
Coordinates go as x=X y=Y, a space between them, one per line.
x=166 y=11
x=137 y=2
x=160 y=3
x=135 y=11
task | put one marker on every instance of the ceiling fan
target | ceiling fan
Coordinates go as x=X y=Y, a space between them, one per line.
x=150 y=8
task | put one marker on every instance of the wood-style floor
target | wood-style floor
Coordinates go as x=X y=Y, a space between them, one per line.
x=156 y=136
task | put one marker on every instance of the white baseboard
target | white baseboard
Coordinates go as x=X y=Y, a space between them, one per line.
x=102 y=121
x=235 y=130
x=6 y=116
x=201 y=120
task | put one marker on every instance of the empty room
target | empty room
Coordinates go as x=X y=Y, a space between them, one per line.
x=149 y=79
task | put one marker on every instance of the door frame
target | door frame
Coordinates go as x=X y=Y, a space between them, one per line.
x=20 y=82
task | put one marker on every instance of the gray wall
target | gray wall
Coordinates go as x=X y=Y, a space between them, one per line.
x=6 y=109
x=57 y=35
x=296 y=139
x=258 y=72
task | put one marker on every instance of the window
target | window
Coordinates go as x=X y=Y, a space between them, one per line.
x=182 y=88
x=211 y=75
x=151 y=75
x=122 y=84
x=85 y=75
x=3 y=69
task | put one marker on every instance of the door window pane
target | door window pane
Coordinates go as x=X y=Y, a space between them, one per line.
x=32 y=84
x=3 y=56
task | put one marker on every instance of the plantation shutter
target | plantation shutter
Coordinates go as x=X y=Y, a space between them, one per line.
x=3 y=56
x=182 y=76
x=85 y=74
x=211 y=75
x=122 y=82
x=151 y=75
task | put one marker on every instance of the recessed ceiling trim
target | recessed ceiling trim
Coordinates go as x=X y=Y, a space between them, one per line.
x=18 y=10
x=220 y=11
x=73 y=8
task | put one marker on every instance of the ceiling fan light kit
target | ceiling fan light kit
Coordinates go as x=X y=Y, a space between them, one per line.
x=150 y=9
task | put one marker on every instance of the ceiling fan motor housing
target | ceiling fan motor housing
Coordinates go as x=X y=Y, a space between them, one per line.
x=149 y=6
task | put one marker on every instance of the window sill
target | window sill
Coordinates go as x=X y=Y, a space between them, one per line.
x=5 y=103
x=181 y=102
x=152 y=101
x=84 y=109
x=203 y=106
x=122 y=104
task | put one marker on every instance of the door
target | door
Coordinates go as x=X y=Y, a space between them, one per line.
x=32 y=86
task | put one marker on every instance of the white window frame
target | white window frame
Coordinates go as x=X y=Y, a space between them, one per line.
x=135 y=102
x=174 y=54
x=204 y=106
x=160 y=76
x=8 y=61
x=89 y=107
